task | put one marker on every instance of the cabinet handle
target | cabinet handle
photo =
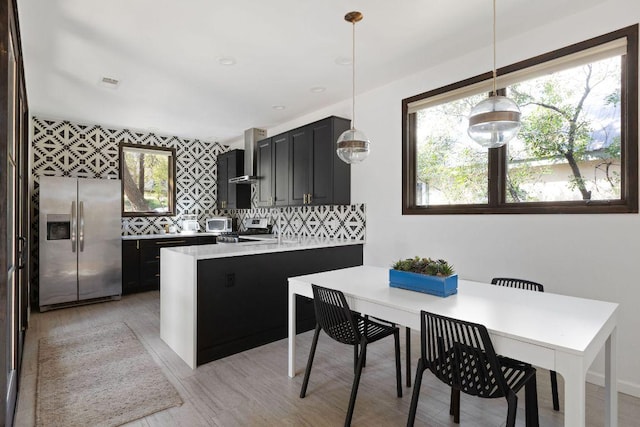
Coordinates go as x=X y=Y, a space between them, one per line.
x=304 y=199
x=173 y=241
x=157 y=256
x=309 y=198
x=158 y=275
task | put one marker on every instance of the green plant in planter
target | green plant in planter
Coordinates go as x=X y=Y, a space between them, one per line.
x=426 y=266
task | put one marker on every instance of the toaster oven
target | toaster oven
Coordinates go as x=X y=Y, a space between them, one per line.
x=219 y=224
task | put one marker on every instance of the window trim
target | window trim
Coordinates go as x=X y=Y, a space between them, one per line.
x=172 y=179
x=497 y=157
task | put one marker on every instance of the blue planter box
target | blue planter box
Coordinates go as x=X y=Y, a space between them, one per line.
x=434 y=285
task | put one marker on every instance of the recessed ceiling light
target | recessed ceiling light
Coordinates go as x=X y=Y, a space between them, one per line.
x=227 y=60
x=278 y=107
x=318 y=89
x=109 y=82
x=342 y=60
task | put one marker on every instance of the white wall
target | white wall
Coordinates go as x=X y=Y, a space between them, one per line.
x=592 y=256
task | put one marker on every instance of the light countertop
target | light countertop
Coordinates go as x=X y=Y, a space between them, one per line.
x=268 y=245
x=166 y=235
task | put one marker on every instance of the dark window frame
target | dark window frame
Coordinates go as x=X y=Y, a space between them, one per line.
x=171 y=180
x=498 y=157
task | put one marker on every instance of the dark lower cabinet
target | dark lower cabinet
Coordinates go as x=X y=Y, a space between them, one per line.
x=130 y=266
x=242 y=301
x=141 y=260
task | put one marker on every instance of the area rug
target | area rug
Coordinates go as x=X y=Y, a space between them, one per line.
x=101 y=376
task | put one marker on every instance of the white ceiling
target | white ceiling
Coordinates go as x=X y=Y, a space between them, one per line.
x=165 y=54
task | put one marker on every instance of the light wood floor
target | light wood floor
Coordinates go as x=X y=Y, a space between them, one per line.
x=253 y=389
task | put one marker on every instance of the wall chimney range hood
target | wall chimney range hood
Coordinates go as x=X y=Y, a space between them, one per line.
x=251 y=137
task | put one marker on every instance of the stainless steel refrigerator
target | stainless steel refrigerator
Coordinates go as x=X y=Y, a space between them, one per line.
x=80 y=241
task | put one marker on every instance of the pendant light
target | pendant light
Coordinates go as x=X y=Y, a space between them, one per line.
x=352 y=145
x=495 y=120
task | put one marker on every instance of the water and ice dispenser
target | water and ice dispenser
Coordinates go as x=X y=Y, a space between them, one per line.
x=58 y=226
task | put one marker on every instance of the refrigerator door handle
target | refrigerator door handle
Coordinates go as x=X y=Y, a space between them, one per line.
x=74 y=226
x=81 y=227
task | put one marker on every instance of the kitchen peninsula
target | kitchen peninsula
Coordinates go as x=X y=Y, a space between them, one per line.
x=218 y=300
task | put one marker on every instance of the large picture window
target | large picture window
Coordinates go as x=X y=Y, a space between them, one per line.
x=147 y=174
x=576 y=151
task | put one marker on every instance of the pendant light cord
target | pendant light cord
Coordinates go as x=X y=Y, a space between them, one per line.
x=353 y=77
x=494 y=49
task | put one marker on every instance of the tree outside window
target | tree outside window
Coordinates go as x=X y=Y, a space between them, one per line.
x=451 y=167
x=576 y=150
x=569 y=144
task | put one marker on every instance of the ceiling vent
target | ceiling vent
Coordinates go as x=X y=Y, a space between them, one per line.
x=110 y=82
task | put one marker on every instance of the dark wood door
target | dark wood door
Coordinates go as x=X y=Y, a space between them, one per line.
x=299 y=167
x=281 y=154
x=264 y=152
x=222 y=181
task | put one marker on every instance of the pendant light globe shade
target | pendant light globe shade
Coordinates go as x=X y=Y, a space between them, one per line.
x=494 y=121
x=352 y=146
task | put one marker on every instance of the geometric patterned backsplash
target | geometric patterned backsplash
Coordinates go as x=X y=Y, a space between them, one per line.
x=335 y=221
x=63 y=148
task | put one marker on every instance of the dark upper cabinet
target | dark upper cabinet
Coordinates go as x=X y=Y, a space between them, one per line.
x=272 y=168
x=264 y=152
x=280 y=169
x=317 y=176
x=301 y=167
x=232 y=196
x=299 y=172
x=222 y=181
x=321 y=172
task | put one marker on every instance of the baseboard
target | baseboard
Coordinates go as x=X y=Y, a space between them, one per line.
x=625 y=387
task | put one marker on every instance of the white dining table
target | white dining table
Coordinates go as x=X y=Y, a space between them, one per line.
x=555 y=332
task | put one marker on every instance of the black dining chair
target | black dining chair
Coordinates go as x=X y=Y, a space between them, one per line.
x=461 y=355
x=334 y=316
x=531 y=286
x=407 y=342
